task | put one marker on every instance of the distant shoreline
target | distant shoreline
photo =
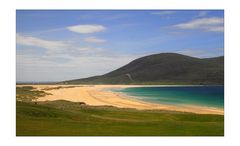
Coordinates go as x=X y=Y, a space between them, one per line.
x=98 y=95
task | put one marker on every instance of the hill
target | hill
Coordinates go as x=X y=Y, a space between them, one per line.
x=163 y=68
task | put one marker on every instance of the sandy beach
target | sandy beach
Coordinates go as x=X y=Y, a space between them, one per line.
x=99 y=95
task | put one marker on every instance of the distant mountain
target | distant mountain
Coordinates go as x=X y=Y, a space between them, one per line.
x=164 y=68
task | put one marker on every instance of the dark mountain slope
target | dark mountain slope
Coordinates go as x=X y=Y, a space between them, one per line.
x=164 y=68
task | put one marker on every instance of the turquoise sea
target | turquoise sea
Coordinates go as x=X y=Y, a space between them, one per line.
x=210 y=96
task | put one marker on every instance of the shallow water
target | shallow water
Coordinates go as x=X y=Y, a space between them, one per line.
x=210 y=96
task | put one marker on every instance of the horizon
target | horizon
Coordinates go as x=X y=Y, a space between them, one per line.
x=59 y=45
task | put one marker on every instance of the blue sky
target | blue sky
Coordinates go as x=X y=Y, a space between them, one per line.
x=60 y=45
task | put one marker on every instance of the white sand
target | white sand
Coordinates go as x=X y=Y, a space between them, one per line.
x=98 y=95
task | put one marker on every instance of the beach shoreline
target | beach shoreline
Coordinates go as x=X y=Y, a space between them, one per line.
x=101 y=95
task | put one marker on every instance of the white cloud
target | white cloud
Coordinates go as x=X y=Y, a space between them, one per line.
x=206 y=24
x=90 y=49
x=51 y=46
x=60 y=47
x=161 y=13
x=86 y=29
x=94 y=40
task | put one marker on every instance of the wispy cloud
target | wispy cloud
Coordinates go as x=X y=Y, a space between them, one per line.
x=94 y=40
x=161 y=13
x=46 y=31
x=207 y=24
x=69 y=63
x=49 y=45
x=59 y=47
x=87 y=28
x=91 y=50
x=83 y=29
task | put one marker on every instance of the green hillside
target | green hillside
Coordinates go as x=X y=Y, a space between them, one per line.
x=164 y=68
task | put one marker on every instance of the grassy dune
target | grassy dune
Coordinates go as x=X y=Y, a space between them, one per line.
x=28 y=93
x=69 y=118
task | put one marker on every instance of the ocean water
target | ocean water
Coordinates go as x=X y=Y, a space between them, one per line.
x=210 y=96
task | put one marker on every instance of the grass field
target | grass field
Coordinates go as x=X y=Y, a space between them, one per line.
x=65 y=118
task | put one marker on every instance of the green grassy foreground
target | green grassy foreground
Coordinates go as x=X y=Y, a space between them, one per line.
x=69 y=118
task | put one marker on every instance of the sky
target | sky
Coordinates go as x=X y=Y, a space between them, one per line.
x=58 y=45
